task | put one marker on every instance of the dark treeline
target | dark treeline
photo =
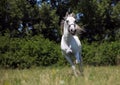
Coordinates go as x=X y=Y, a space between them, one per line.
x=100 y=18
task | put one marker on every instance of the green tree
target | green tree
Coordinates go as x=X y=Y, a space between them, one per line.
x=49 y=23
x=101 y=19
x=43 y=19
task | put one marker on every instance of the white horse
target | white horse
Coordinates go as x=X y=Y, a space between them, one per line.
x=70 y=43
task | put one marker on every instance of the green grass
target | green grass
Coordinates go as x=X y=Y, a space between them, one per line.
x=109 y=75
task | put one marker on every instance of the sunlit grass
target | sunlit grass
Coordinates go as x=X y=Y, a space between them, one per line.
x=61 y=76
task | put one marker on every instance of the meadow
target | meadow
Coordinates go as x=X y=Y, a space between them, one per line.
x=103 y=75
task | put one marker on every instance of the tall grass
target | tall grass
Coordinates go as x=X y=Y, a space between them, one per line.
x=61 y=76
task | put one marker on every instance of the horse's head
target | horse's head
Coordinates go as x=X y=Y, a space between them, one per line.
x=70 y=23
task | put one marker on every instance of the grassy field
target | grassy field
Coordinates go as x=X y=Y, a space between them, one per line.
x=109 y=75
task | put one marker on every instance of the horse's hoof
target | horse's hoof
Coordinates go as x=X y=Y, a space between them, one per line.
x=69 y=51
x=82 y=74
x=77 y=61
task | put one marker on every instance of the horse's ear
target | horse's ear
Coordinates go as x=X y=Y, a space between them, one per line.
x=66 y=15
x=72 y=14
x=69 y=14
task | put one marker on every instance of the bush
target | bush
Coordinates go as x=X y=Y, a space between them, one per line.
x=38 y=51
x=101 y=54
x=27 y=52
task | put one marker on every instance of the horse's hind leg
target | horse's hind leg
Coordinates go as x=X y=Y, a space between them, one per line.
x=81 y=66
x=79 y=62
x=72 y=64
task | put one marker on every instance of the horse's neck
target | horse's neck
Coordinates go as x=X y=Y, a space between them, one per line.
x=67 y=37
x=65 y=29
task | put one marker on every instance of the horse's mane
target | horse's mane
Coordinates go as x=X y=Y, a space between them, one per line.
x=62 y=26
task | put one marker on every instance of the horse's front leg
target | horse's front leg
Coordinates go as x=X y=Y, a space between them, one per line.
x=72 y=64
x=69 y=50
x=79 y=62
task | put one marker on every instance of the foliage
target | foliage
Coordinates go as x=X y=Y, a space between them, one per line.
x=27 y=52
x=101 y=19
x=101 y=54
x=49 y=23
x=37 y=51
x=44 y=19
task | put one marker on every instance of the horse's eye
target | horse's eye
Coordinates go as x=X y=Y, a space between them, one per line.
x=75 y=21
x=67 y=21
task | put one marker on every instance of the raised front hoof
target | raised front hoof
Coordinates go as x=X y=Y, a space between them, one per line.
x=69 y=51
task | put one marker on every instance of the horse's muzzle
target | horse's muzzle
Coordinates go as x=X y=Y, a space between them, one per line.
x=73 y=32
x=71 y=29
